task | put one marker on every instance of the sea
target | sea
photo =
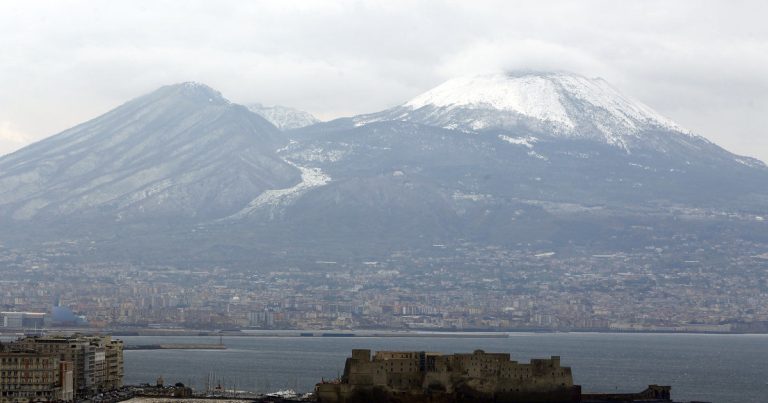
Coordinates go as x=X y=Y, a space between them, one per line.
x=699 y=367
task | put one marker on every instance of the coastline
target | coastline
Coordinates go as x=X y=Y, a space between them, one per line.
x=355 y=333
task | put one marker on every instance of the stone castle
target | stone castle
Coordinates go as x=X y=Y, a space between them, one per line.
x=420 y=376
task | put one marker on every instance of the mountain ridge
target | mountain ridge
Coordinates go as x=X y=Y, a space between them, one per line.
x=142 y=150
x=183 y=166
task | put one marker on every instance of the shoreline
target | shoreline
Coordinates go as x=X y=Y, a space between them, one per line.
x=353 y=333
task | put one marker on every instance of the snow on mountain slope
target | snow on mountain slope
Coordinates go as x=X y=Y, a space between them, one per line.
x=274 y=199
x=182 y=151
x=561 y=104
x=283 y=117
x=533 y=96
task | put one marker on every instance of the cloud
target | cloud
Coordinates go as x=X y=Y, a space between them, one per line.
x=521 y=54
x=699 y=62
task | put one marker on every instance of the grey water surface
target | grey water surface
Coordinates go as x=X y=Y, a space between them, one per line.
x=715 y=368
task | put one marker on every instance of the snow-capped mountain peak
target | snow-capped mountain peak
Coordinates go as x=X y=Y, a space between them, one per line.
x=556 y=103
x=533 y=96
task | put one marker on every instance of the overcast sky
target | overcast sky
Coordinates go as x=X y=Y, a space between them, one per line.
x=703 y=64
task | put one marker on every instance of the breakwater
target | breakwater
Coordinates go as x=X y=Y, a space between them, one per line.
x=176 y=346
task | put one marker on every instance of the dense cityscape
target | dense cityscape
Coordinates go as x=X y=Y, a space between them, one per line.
x=457 y=287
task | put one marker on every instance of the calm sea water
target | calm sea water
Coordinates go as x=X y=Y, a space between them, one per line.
x=716 y=368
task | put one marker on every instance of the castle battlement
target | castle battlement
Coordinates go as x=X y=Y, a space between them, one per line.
x=478 y=376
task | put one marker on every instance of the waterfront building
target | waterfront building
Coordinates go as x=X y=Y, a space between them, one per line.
x=97 y=361
x=28 y=376
x=23 y=320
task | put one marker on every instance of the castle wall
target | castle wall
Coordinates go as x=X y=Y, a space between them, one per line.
x=435 y=377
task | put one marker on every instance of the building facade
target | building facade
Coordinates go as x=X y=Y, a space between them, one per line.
x=97 y=361
x=23 y=320
x=28 y=376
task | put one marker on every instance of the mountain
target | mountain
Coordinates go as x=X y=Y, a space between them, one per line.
x=283 y=117
x=562 y=104
x=582 y=140
x=182 y=152
x=611 y=174
x=523 y=160
x=550 y=104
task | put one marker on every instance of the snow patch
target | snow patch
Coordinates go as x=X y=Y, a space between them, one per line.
x=750 y=162
x=310 y=178
x=527 y=142
x=145 y=193
x=291 y=143
x=534 y=154
x=644 y=167
x=522 y=141
x=318 y=154
x=475 y=197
